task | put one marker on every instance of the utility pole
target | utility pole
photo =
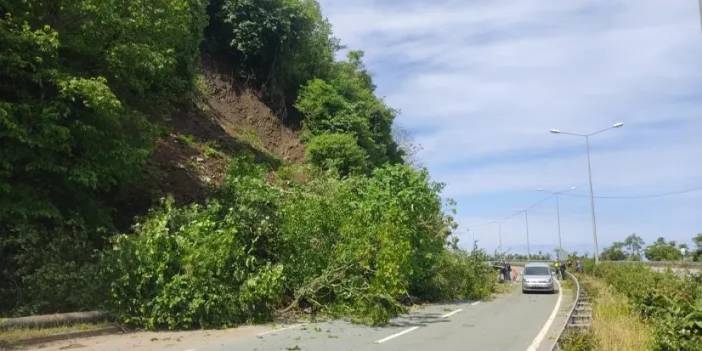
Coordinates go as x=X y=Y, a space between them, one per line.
x=557 y=195
x=526 y=220
x=499 y=233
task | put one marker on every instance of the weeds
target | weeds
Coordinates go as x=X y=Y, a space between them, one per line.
x=615 y=325
x=578 y=341
x=671 y=304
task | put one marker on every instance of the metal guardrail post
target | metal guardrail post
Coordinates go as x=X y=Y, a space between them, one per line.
x=556 y=346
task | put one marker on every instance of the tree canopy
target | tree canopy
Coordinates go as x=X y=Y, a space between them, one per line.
x=661 y=250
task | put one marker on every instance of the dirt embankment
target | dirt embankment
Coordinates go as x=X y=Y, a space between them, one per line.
x=241 y=112
x=190 y=159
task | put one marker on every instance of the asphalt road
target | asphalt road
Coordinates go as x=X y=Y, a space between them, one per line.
x=511 y=321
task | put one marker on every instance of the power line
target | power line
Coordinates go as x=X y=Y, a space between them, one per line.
x=644 y=196
x=612 y=197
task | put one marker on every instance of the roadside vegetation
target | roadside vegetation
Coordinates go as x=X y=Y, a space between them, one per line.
x=669 y=305
x=86 y=88
x=615 y=325
x=634 y=247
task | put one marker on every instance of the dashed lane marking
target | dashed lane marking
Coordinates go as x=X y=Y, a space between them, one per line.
x=408 y=330
x=452 y=313
x=279 y=330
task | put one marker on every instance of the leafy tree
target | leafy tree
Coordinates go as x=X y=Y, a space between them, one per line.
x=338 y=152
x=281 y=43
x=354 y=247
x=661 y=250
x=614 y=253
x=75 y=80
x=634 y=244
x=347 y=104
x=697 y=255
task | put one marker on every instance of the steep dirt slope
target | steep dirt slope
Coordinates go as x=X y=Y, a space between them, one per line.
x=241 y=113
x=190 y=159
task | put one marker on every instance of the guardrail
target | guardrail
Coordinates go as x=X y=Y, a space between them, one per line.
x=675 y=264
x=556 y=346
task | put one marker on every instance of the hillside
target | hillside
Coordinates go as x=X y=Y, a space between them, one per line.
x=194 y=164
x=190 y=159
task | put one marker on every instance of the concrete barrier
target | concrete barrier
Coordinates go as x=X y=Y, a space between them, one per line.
x=53 y=320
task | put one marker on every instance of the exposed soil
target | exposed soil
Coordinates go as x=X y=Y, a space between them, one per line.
x=190 y=161
x=147 y=341
x=240 y=111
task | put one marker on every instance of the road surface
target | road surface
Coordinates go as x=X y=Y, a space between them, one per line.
x=510 y=321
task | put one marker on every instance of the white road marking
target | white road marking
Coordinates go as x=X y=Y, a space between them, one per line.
x=544 y=330
x=280 y=329
x=190 y=350
x=475 y=303
x=408 y=330
x=452 y=313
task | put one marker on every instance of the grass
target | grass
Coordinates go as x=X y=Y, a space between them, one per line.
x=12 y=336
x=615 y=326
x=251 y=137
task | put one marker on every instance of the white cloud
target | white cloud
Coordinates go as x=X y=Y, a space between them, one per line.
x=480 y=82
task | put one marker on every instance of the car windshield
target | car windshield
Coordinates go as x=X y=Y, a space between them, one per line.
x=537 y=271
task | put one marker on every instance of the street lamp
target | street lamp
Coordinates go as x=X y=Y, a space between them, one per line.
x=526 y=220
x=499 y=236
x=557 y=194
x=589 y=174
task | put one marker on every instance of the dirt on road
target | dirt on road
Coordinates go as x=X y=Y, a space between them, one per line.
x=143 y=341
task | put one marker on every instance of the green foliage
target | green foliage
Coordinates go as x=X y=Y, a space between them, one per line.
x=200 y=266
x=461 y=275
x=351 y=247
x=190 y=268
x=49 y=270
x=634 y=244
x=281 y=43
x=614 y=252
x=697 y=254
x=671 y=303
x=338 y=152
x=357 y=246
x=346 y=103
x=75 y=80
x=661 y=250
x=574 y=340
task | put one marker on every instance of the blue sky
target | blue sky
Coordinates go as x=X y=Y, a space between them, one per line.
x=480 y=83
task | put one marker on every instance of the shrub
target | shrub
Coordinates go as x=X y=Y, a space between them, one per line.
x=574 y=340
x=345 y=103
x=352 y=247
x=671 y=303
x=75 y=79
x=357 y=246
x=338 y=152
x=200 y=266
x=461 y=275
x=281 y=43
x=190 y=268
x=50 y=271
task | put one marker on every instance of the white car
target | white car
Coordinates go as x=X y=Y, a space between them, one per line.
x=537 y=277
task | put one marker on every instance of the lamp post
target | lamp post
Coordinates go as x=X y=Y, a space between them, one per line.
x=499 y=236
x=557 y=194
x=526 y=221
x=589 y=175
